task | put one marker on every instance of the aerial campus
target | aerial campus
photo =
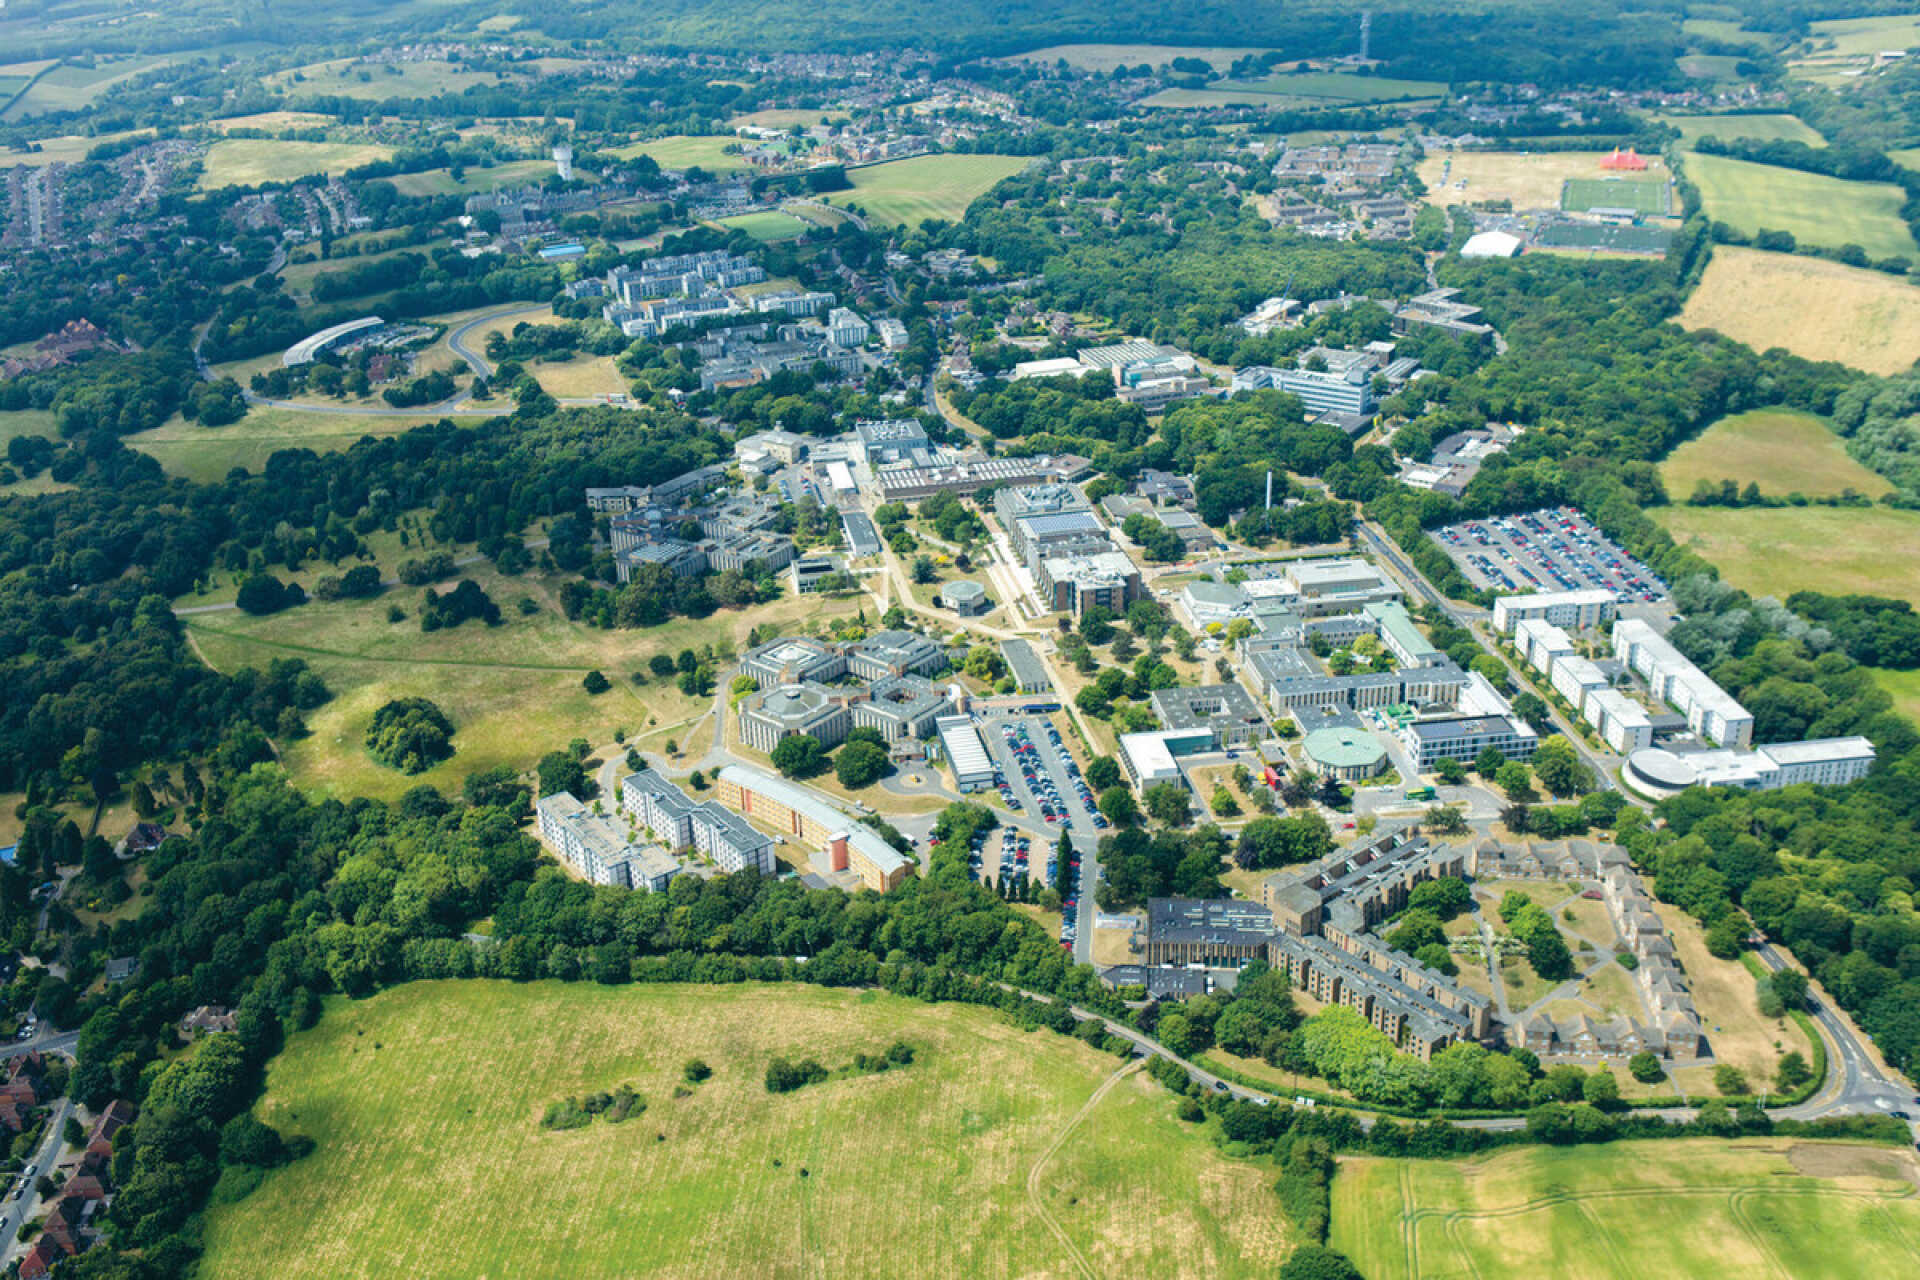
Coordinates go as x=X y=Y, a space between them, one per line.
x=1251 y=640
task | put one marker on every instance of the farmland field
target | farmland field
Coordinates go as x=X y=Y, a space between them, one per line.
x=1726 y=32
x=425 y=1101
x=1780 y=450
x=1765 y=128
x=1341 y=85
x=912 y=191
x=1103 y=58
x=681 y=151
x=1864 y=37
x=67 y=148
x=768 y=225
x=247 y=162
x=1642 y=195
x=1813 y=307
x=71 y=88
x=1709 y=66
x=786 y=118
x=1530 y=180
x=1815 y=208
x=1704 y=1208
x=1779 y=550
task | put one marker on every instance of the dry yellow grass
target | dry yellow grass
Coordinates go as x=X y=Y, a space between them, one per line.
x=1812 y=307
x=1529 y=180
x=431 y=1162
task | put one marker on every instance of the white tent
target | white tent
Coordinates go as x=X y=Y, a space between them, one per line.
x=1490 y=244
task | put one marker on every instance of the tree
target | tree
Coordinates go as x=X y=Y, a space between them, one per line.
x=1560 y=769
x=1450 y=771
x=1117 y=804
x=1601 y=1089
x=1791 y=986
x=1446 y=819
x=1223 y=804
x=799 y=755
x=1730 y=1081
x=1645 y=1067
x=1516 y=780
x=1727 y=936
x=1317 y=1262
x=263 y=593
x=596 y=683
x=560 y=771
x=859 y=764
x=1103 y=772
x=410 y=734
x=1168 y=802
x=1488 y=762
x=923 y=570
x=1793 y=1071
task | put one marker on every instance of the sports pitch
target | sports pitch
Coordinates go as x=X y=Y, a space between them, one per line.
x=996 y=1153
x=1644 y=196
x=1689 y=1208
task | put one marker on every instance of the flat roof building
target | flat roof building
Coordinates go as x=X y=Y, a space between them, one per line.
x=1711 y=711
x=844 y=843
x=1577 y=609
x=1226 y=711
x=1464 y=737
x=966 y=753
x=1029 y=672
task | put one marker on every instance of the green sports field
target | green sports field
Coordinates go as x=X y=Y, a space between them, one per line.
x=1815 y=208
x=768 y=225
x=909 y=192
x=1701 y=1208
x=1648 y=196
x=996 y=1153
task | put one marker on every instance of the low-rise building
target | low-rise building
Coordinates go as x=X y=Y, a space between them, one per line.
x=1028 y=671
x=1226 y=711
x=966 y=754
x=841 y=842
x=1577 y=609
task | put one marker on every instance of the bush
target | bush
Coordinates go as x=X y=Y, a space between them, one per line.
x=1646 y=1068
x=596 y=683
x=1728 y=1079
x=696 y=1070
x=263 y=593
x=784 y=1076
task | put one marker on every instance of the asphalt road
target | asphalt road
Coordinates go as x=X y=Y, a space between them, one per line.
x=14 y=1212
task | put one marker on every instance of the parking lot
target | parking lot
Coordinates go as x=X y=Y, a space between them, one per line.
x=1039 y=780
x=1553 y=549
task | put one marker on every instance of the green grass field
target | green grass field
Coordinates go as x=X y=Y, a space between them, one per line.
x=1765 y=128
x=1855 y=37
x=511 y=173
x=207 y=454
x=72 y=88
x=424 y=1102
x=1815 y=208
x=346 y=78
x=1904 y=686
x=1779 y=550
x=246 y=162
x=909 y=192
x=1642 y=195
x=768 y=225
x=1701 y=1208
x=1780 y=450
x=1103 y=58
x=1343 y=86
x=513 y=691
x=1726 y=31
x=683 y=152
x=1709 y=66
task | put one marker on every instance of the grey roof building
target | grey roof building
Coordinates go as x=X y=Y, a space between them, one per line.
x=1226 y=710
x=1029 y=672
x=894 y=653
x=900 y=707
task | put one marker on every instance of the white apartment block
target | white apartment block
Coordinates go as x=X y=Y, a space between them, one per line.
x=1577 y=609
x=1574 y=678
x=1621 y=722
x=1710 y=711
x=1541 y=643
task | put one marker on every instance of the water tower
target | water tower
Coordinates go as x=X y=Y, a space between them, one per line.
x=563 y=161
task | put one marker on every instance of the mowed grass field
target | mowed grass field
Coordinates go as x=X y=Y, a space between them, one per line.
x=1531 y=180
x=1813 y=307
x=246 y=162
x=1776 y=551
x=512 y=691
x=1690 y=1208
x=910 y=192
x=1764 y=128
x=1781 y=450
x=1642 y=195
x=768 y=225
x=1815 y=208
x=1904 y=687
x=425 y=1100
x=682 y=151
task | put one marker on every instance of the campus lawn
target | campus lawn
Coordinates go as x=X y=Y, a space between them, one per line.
x=1781 y=450
x=424 y=1102
x=1701 y=1207
x=909 y=192
x=1817 y=209
x=1764 y=128
x=513 y=691
x=1813 y=307
x=1779 y=550
x=246 y=162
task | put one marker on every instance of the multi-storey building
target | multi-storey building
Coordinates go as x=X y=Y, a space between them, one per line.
x=840 y=841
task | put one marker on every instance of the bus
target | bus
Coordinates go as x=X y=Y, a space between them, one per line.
x=1421 y=793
